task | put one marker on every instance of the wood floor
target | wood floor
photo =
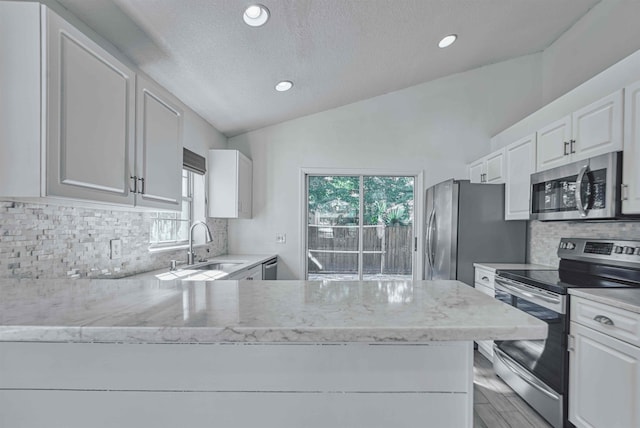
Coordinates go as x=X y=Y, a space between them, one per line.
x=495 y=404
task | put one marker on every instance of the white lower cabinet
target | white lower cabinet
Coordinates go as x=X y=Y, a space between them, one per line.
x=604 y=371
x=236 y=385
x=484 y=282
x=253 y=274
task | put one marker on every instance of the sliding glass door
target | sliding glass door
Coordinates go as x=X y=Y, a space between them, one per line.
x=359 y=227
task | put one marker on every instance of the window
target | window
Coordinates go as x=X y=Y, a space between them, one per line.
x=359 y=227
x=171 y=229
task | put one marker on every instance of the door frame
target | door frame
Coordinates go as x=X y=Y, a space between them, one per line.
x=418 y=208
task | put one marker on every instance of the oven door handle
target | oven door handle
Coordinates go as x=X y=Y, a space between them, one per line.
x=526 y=293
x=524 y=375
x=579 y=204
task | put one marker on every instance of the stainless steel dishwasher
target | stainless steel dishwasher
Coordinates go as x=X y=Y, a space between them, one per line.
x=270 y=269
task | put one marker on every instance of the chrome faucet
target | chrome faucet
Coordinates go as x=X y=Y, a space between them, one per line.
x=191 y=255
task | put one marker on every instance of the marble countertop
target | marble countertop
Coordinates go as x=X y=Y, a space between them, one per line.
x=623 y=298
x=190 y=273
x=513 y=266
x=153 y=311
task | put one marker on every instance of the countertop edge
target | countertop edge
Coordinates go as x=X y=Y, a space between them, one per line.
x=609 y=296
x=493 y=267
x=194 y=335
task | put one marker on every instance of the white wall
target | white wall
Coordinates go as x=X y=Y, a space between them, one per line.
x=437 y=127
x=597 y=56
x=609 y=32
x=199 y=136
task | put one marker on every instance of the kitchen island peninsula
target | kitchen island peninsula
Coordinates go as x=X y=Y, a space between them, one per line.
x=132 y=353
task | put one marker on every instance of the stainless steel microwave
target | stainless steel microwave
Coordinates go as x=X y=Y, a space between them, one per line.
x=585 y=190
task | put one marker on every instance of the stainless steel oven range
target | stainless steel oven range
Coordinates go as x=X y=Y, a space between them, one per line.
x=538 y=370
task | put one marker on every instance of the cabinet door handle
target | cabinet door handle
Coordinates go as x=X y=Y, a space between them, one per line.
x=624 y=194
x=564 y=151
x=573 y=142
x=603 y=320
x=135 y=184
x=141 y=185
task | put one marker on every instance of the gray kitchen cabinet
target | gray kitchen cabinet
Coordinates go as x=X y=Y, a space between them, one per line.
x=159 y=123
x=69 y=118
x=90 y=112
x=590 y=131
x=631 y=155
x=604 y=365
x=230 y=184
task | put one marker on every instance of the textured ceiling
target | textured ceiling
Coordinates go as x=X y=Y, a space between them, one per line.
x=335 y=51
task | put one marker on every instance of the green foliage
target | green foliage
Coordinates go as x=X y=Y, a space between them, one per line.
x=387 y=200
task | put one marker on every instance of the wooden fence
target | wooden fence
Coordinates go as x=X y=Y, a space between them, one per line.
x=334 y=249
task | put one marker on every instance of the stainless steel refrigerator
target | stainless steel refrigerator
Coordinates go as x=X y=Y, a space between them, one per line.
x=465 y=225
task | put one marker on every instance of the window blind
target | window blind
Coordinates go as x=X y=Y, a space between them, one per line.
x=193 y=162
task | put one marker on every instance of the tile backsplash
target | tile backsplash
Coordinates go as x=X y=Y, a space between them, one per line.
x=51 y=241
x=544 y=237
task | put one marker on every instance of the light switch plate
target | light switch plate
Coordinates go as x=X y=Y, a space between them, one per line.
x=115 y=249
x=281 y=238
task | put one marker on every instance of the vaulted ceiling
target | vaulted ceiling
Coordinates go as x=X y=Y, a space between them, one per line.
x=335 y=51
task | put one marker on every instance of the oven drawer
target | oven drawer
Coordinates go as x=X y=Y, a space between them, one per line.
x=484 y=277
x=615 y=322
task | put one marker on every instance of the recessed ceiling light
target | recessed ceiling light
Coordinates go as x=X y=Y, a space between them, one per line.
x=256 y=15
x=285 y=85
x=447 y=40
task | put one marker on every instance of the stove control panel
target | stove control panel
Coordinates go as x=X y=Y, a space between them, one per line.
x=608 y=251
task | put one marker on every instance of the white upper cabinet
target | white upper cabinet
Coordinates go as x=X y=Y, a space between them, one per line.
x=520 y=161
x=70 y=117
x=90 y=116
x=593 y=130
x=631 y=155
x=476 y=171
x=159 y=124
x=230 y=182
x=489 y=169
x=553 y=144
x=597 y=128
x=495 y=168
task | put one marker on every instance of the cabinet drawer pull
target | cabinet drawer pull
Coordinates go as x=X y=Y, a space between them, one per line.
x=135 y=184
x=484 y=278
x=603 y=320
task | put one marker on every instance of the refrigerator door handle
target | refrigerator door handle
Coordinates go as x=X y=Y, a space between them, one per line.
x=432 y=246
x=429 y=238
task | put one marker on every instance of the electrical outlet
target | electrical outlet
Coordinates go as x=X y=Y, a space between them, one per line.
x=116 y=249
x=281 y=238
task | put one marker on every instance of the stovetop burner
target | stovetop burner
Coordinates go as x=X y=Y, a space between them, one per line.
x=560 y=281
x=586 y=263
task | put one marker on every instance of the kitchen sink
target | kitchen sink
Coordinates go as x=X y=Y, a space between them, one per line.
x=223 y=266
